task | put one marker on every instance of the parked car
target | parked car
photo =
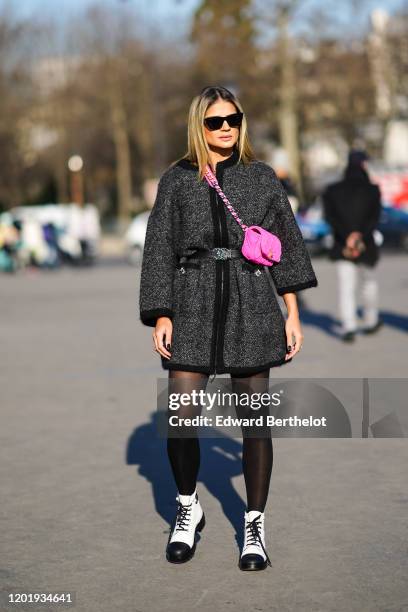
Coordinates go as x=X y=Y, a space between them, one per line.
x=56 y=233
x=135 y=238
x=394 y=226
x=315 y=230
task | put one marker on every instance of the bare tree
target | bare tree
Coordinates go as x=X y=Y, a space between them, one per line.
x=16 y=94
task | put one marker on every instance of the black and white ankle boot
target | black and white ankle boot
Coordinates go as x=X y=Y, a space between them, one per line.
x=254 y=556
x=189 y=519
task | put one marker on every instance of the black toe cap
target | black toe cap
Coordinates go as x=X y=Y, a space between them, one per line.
x=178 y=552
x=252 y=562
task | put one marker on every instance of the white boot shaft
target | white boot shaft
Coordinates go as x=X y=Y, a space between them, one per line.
x=254 y=531
x=189 y=514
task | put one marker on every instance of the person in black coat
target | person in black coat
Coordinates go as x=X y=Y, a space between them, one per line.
x=352 y=206
x=212 y=310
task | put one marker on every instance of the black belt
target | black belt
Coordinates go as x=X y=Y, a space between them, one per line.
x=215 y=253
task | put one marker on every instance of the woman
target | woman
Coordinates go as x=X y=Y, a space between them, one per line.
x=214 y=311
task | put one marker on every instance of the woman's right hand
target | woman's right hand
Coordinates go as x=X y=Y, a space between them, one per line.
x=162 y=332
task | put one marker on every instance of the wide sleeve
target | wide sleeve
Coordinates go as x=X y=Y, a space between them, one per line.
x=294 y=271
x=159 y=258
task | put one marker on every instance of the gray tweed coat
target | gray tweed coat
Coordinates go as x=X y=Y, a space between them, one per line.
x=225 y=314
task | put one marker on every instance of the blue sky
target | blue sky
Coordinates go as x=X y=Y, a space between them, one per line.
x=158 y=8
x=64 y=8
x=174 y=14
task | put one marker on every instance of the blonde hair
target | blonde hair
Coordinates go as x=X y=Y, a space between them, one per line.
x=198 y=151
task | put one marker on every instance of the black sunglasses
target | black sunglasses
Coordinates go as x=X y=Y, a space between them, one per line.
x=216 y=123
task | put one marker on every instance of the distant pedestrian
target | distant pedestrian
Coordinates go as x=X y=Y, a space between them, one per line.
x=352 y=207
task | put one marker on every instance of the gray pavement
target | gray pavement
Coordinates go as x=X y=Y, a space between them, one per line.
x=87 y=494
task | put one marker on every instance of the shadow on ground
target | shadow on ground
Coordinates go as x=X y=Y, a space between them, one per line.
x=221 y=460
x=329 y=324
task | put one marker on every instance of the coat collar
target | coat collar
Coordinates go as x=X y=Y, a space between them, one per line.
x=229 y=161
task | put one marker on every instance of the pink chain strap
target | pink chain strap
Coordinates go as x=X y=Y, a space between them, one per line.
x=212 y=180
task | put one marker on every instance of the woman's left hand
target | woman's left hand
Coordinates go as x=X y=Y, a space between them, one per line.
x=294 y=335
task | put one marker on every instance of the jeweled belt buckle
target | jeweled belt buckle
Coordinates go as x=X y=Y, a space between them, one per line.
x=222 y=253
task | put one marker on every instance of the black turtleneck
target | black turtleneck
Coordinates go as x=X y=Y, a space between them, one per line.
x=225 y=163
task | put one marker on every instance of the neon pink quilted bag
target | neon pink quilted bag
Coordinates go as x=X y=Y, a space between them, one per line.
x=259 y=245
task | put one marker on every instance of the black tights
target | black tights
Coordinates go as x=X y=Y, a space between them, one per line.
x=184 y=452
